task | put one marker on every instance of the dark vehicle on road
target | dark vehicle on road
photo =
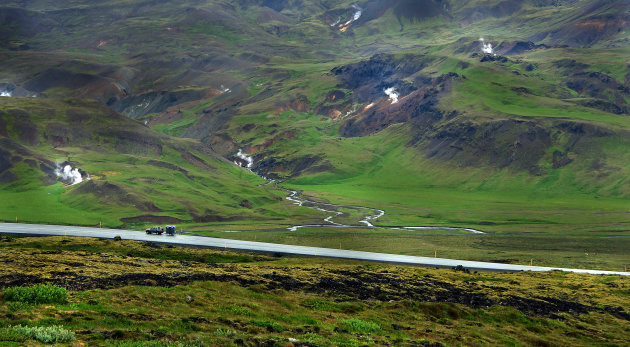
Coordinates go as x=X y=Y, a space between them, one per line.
x=170 y=230
x=155 y=230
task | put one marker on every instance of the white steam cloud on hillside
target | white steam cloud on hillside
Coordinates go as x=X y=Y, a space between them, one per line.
x=486 y=47
x=357 y=14
x=6 y=93
x=391 y=93
x=69 y=175
x=243 y=156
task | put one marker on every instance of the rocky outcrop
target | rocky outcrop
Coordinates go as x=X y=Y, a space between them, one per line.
x=509 y=143
x=275 y=168
x=420 y=102
x=602 y=87
x=505 y=143
x=138 y=105
x=517 y=47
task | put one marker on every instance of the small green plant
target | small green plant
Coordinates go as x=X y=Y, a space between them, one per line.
x=49 y=334
x=9 y=334
x=37 y=294
x=360 y=326
x=239 y=310
x=223 y=332
x=15 y=306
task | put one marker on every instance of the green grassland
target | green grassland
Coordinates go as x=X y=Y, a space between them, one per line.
x=140 y=173
x=132 y=295
x=604 y=251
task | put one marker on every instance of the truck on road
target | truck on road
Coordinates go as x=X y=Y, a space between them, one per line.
x=155 y=230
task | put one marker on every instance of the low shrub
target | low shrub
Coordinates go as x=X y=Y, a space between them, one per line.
x=360 y=326
x=37 y=294
x=49 y=334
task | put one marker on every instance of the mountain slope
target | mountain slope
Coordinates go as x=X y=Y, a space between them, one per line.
x=129 y=175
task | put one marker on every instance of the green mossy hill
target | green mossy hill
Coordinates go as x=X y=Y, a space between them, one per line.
x=121 y=300
x=136 y=176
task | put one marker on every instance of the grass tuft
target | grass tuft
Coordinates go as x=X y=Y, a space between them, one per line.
x=361 y=326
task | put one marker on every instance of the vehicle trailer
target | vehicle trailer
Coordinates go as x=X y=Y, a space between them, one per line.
x=170 y=230
x=155 y=230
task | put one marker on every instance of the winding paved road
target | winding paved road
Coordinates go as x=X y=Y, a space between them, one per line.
x=56 y=230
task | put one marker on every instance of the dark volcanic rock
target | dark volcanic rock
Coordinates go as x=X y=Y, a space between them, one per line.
x=493 y=57
x=369 y=78
x=417 y=104
x=602 y=87
x=306 y=164
x=517 y=47
x=5 y=160
x=504 y=143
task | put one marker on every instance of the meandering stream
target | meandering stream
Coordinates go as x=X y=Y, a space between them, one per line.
x=366 y=221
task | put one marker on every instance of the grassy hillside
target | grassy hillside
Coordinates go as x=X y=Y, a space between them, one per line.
x=136 y=176
x=497 y=141
x=226 y=298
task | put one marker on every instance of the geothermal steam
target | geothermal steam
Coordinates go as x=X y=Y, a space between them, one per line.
x=357 y=14
x=486 y=47
x=245 y=158
x=391 y=92
x=5 y=93
x=353 y=110
x=69 y=175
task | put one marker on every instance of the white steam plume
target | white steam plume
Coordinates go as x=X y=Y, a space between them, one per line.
x=68 y=174
x=353 y=110
x=244 y=157
x=391 y=92
x=6 y=93
x=486 y=47
x=357 y=14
